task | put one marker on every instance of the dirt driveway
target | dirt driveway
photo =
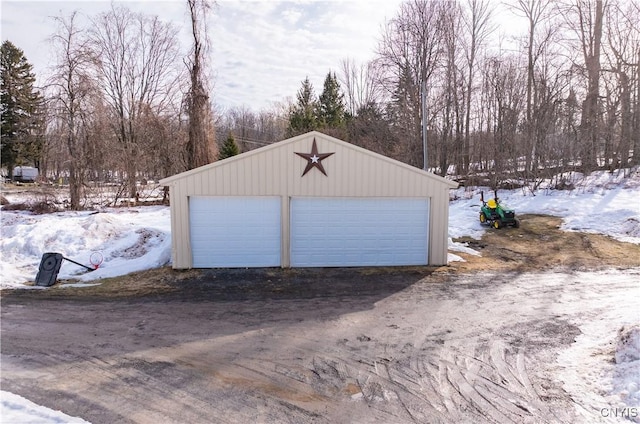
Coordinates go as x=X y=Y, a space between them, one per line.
x=453 y=344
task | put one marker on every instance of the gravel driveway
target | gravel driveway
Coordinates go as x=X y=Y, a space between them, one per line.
x=332 y=345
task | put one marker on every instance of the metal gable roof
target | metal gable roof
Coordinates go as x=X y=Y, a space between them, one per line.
x=419 y=173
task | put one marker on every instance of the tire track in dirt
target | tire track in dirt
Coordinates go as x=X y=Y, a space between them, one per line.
x=466 y=377
x=493 y=385
x=122 y=387
x=476 y=380
x=434 y=352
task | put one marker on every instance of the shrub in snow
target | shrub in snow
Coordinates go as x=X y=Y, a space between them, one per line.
x=36 y=207
x=631 y=227
x=626 y=383
x=628 y=345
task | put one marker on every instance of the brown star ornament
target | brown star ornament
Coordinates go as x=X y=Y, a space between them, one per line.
x=314 y=159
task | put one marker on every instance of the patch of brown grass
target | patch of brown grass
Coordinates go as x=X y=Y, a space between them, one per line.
x=143 y=283
x=540 y=244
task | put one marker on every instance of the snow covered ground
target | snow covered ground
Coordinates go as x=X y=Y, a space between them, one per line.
x=128 y=239
x=138 y=238
x=15 y=409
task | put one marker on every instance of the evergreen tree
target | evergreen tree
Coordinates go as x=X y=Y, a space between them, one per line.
x=404 y=113
x=371 y=129
x=332 y=110
x=303 y=115
x=229 y=148
x=21 y=110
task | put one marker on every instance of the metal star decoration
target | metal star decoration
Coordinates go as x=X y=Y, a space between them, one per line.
x=314 y=159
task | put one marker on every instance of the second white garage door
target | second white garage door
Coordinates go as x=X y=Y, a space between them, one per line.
x=359 y=231
x=231 y=232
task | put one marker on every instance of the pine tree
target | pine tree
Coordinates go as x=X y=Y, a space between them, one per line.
x=229 y=148
x=332 y=110
x=303 y=115
x=21 y=110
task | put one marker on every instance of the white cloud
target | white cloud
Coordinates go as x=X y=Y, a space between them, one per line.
x=276 y=47
x=291 y=16
x=261 y=50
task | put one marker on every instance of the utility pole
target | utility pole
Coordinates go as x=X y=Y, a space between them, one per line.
x=423 y=98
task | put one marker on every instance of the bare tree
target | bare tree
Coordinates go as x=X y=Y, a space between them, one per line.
x=623 y=41
x=242 y=122
x=537 y=12
x=201 y=145
x=136 y=56
x=477 y=25
x=504 y=91
x=633 y=14
x=450 y=142
x=72 y=86
x=585 y=19
x=361 y=85
x=271 y=125
x=250 y=129
x=409 y=54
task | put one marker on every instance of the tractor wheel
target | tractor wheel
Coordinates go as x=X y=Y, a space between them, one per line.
x=497 y=224
x=517 y=223
x=483 y=218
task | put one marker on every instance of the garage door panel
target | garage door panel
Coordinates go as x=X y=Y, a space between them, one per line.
x=359 y=232
x=235 y=231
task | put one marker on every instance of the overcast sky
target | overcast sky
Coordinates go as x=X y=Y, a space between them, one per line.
x=262 y=50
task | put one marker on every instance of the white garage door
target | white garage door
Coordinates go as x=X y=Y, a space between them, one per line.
x=235 y=231
x=359 y=232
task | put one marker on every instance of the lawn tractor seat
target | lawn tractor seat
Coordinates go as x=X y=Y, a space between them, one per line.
x=492 y=204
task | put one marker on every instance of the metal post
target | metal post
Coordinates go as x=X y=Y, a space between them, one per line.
x=78 y=263
x=423 y=97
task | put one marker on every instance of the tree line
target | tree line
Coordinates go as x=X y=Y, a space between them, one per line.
x=563 y=94
x=121 y=103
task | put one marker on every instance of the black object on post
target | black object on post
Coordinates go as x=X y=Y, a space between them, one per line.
x=49 y=268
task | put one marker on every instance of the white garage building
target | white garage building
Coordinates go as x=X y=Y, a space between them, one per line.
x=309 y=201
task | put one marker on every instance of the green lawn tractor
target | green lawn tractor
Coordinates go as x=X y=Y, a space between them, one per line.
x=496 y=215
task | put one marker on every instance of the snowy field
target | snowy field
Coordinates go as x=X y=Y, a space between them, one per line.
x=138 y=238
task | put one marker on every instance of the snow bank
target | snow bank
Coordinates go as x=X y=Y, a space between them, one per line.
x=129 y=240
x=601 y=369
x=626 y=377
x=15 y=409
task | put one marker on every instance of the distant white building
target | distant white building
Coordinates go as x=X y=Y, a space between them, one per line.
x=25 y=174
